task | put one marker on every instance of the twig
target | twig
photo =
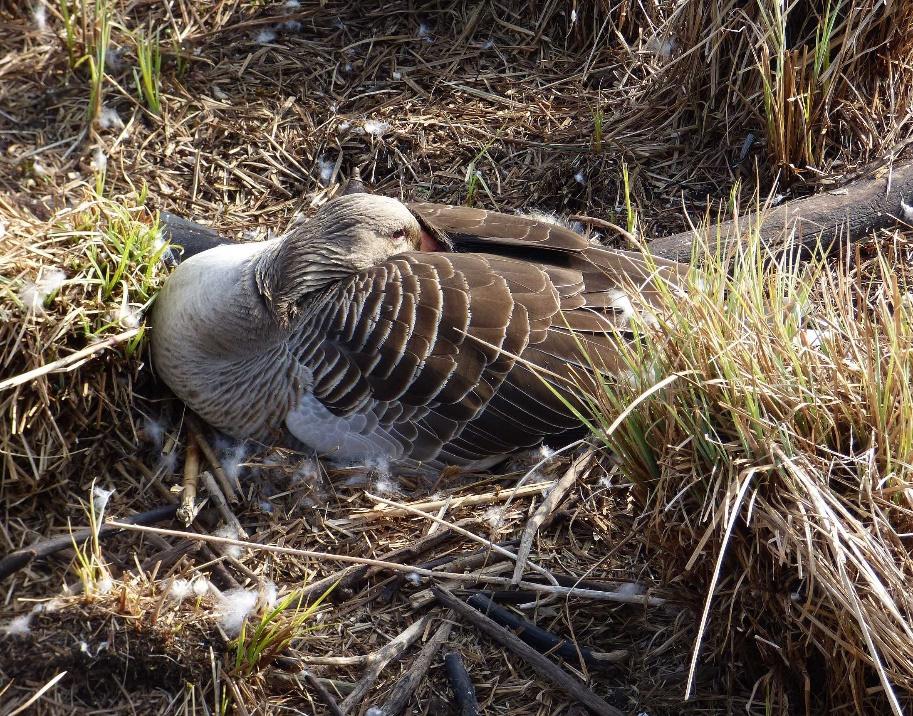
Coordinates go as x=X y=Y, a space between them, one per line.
x=542 y=639
x=548 y=505
x=603 y=224
x=15 y=561
x=377 y=660
x=68 y=361
x=426 y=596
x=229 y=489
x=406 y=686
x=188 y=510
x=464 y=692
x=352 y=581
x=38 y=694
x=543 y=666
x=453 y=502
x=222 y=504
x=466 y=533
x=325 y=696
x=596 y=594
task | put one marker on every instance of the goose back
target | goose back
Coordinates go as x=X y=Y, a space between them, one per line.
x=458 y=356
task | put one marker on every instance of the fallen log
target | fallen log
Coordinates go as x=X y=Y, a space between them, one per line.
x=834 y=218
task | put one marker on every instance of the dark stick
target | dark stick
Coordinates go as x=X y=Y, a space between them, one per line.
x=406 y=686
x=464 y=692
x=325 y=696
x=470 y=560
x=541 y=664
x=15 y=561
x=355 y=580
x=539 y=638
x=862 y=206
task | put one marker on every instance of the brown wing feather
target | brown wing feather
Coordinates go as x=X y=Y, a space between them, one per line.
x=428 y=343
x=464 y=225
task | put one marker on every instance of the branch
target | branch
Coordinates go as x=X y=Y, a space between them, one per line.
x=545 y=510
x=68 y=362
x=376 y=661
x=406 y=686
x=837 y=218
x=15 y=561
x=542 y=639
x=542 y=665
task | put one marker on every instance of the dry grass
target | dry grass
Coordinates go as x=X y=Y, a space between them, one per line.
x=775 y=463
x=244 y=114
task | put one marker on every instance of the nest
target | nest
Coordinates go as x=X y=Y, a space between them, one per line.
x=630 y=114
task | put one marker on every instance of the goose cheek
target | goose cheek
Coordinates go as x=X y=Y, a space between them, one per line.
x=429 y=243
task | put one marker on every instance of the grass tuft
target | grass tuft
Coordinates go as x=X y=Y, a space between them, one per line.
x=770 y=445
x=148 y=76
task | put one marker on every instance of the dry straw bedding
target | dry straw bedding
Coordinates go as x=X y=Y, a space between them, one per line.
x=265 y=108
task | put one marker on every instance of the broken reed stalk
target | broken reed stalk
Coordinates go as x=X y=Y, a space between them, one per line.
x=187 y=512
x=542 y=513
x=14 y=561
x=617 y=597
x=571 y=685
x=230 y=489
x=70 y=362
x=222 y=504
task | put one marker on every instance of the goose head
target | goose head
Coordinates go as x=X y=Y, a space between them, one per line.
x=348 y=234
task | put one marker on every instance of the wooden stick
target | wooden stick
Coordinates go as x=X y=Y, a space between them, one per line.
x=406 y=686
x=453 y=502
x=621 y=598
x=68 y=361
x=228 y=488
x=188 y=510
x=542 y=639
x=572 y=686
x=545 y=509
x=378 y=660
x=222 y=504
x=464 y=692
x=15 y=561
x=325 y=696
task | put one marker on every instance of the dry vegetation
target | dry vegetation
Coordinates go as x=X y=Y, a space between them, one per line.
x=768 y=482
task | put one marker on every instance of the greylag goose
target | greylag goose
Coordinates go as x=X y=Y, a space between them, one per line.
x=420 y=333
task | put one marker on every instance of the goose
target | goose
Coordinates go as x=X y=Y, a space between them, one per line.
x=420 y=334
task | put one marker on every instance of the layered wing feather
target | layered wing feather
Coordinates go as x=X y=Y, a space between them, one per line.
x=458 y=356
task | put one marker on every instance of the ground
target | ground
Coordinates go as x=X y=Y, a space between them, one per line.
x=248 y=113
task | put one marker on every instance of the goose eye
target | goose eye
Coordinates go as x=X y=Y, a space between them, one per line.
x=399 y=234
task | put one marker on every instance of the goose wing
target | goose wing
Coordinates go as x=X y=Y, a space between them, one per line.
x=470 y=229
x=455 y=357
